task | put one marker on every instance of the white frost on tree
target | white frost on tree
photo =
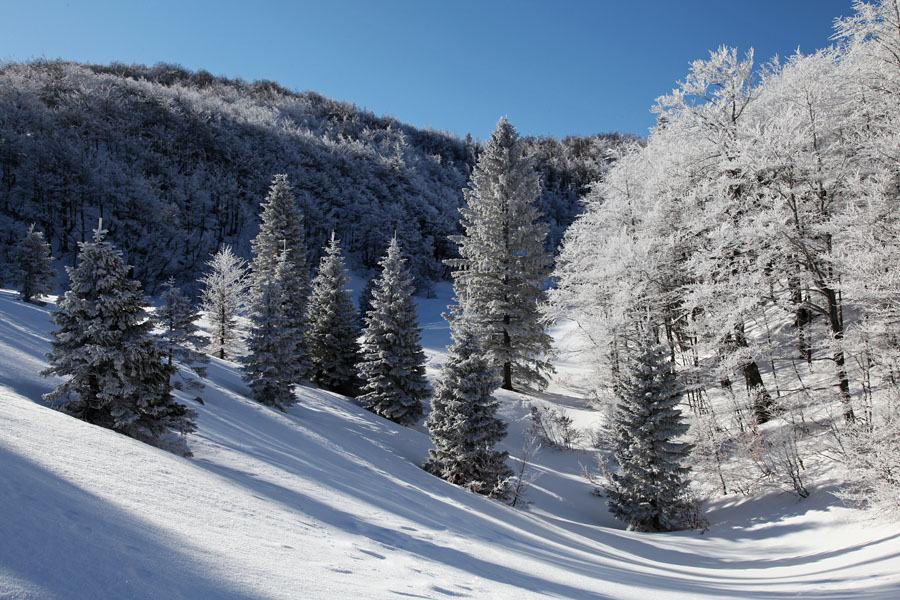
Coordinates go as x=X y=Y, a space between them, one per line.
x=281 y=230
x=498 y=279
x=463 y=421
x=33 y=265
x=332 y=325
x=224 y=296
x=393 y=363
x=648 y=491
x=266 y=370
x=117 y=374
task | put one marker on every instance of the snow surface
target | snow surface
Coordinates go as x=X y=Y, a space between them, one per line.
x=328 y=501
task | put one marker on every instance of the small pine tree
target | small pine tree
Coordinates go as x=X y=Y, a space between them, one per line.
x=33 y=265
x=332 y=334
x=266 y=371
x=649 y=490
x=224 y=296
x=463 y=424
x=281 y=229
x=393 y=365
x=179 y=335
x=498 y=279
x=118 y=377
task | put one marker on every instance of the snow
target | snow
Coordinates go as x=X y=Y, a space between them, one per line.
x=328 y=501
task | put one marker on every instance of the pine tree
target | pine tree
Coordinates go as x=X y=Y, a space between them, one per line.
x=393 y=364
x=463 y=424
x=33 y=265
x=648 y=492
x=179 y=335
x=503 y=262
x=331 y=337
x=266 y=371
x=224 y=296
x=281 y=229
x=118 y=377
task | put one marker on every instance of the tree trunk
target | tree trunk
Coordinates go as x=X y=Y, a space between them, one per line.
x=507 y=366
x=761 y=400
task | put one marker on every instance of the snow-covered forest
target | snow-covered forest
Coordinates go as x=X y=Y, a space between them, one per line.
x=182 y=160
x=277 y=346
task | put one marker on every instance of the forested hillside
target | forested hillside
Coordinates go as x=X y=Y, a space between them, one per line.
x=177 y=163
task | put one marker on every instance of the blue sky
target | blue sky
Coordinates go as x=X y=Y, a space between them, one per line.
x=553 y=67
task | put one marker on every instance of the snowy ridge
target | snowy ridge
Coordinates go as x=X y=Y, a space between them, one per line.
x=328 y=501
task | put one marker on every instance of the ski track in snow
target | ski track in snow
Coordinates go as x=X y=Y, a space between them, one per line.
x=328 y=501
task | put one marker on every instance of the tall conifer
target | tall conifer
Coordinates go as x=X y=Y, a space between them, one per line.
x=281 y=230
x=331 y=337
x=648 y=491
x=498 y=279
x=463 y=422
x=393 y=365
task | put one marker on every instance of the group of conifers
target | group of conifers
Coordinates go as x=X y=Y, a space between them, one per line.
x=118 y=372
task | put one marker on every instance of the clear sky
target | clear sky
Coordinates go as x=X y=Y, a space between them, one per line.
x=563 y=67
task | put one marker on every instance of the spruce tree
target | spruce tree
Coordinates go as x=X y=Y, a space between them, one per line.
x=33 y=265
x=179 y=334
x=118 y=377
x=498 y=279
x=223 y=297
x=332 y=326
x=393 y=364
x=266 y=371
x=463 y=422
x=281 y=228
x=648 y=491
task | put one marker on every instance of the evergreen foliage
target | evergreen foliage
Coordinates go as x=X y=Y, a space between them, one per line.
x=503 y=263
x=223 y=297
x=393 y=364
x=118 y=377
x=281 y=231
x=33 y=265
x=179 y=334
x=463 y=421
x=267 y=369
x=648 y=492
x=333 y=350
x=365 y=299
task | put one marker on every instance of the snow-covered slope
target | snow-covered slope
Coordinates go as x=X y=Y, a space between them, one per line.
x=328 y=501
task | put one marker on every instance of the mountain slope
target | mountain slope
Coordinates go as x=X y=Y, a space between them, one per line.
x=181 y=160
x=328 y=500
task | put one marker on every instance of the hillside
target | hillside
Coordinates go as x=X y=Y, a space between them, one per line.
x=328 y=501
x=181 y=160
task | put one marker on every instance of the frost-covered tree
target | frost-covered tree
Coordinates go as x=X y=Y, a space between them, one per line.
x=33 y=265
x=463 y=421
x=179 y=334
x=224 y=295
x=393 y=363
x=266 y=370
x=648 y=491
x=332 y=331
x=281 y=231
x=498 y=279
x=117 y=373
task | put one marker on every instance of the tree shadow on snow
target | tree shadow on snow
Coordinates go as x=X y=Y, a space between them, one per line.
x=59 y=541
